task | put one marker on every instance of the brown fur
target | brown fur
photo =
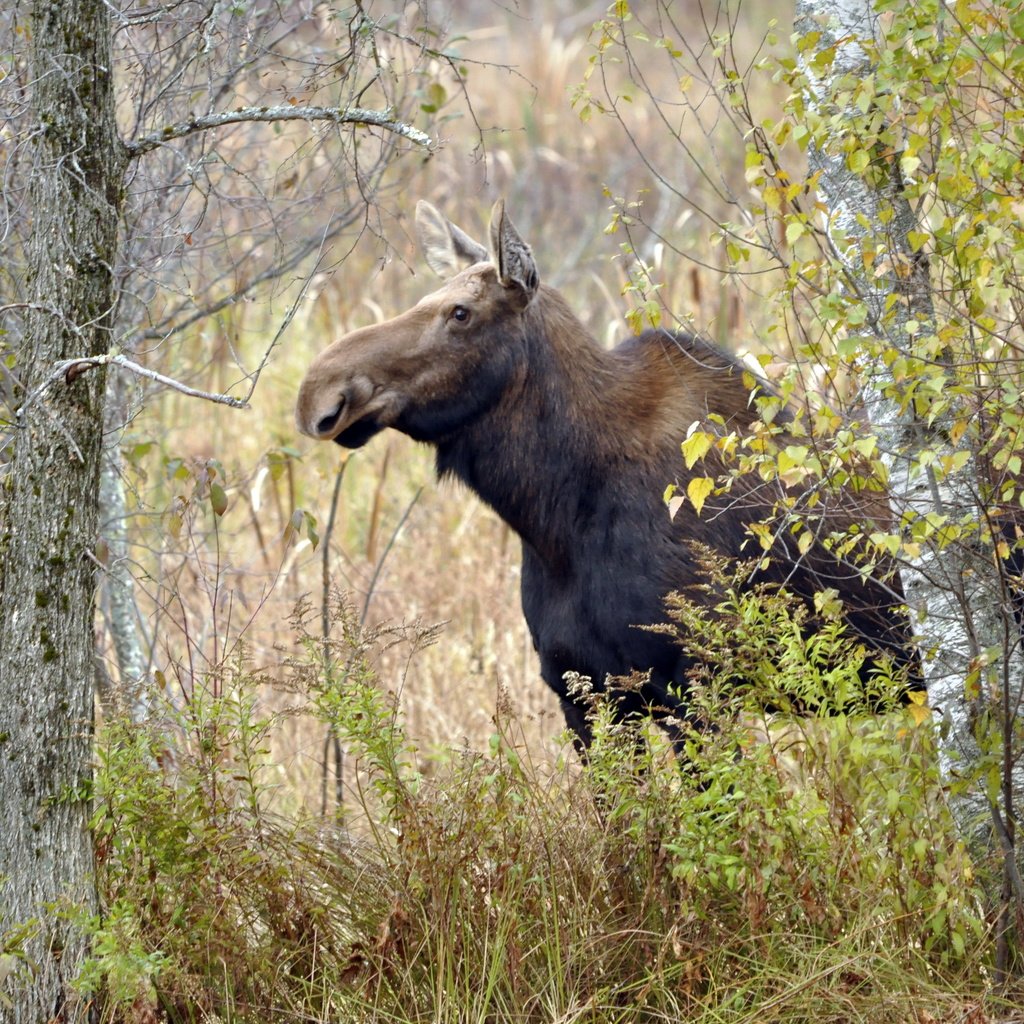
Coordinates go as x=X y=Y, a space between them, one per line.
x=573 y=446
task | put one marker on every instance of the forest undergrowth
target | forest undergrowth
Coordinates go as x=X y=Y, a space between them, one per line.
x=793 y=870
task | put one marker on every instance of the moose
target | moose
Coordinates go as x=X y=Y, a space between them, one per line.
x=572 y=445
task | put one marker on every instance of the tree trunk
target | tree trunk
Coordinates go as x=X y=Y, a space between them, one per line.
x=955 y=592
x=132 y=695
x=50 y=511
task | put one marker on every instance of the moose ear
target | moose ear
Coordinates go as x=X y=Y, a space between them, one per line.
x=447 y=248
x=511 y=255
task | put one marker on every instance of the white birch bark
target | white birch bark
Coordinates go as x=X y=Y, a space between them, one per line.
x=134 y=695
x=955 y=594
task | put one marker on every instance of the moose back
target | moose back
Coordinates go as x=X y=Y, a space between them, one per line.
x=572 y=445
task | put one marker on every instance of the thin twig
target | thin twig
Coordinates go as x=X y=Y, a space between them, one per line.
x=332 y=745
x=40 y=307
x=384 y=554
x=354 y=115
x=325 y=553
x=332 y=742
x=1009 y=854
x=170 y=325
x=289 y=316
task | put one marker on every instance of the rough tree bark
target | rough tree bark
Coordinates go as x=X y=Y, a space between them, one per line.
x=49 y=529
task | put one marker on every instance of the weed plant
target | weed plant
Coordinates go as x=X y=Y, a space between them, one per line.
x=788 y=872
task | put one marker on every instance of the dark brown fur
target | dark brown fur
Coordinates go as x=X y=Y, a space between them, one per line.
x=573 y=446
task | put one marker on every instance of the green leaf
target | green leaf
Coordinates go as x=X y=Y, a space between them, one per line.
x=311 y=534
x=137 y=451
x=436 y=97
x=218 y=499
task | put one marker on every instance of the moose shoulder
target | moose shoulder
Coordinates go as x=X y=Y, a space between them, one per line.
x=572 y=445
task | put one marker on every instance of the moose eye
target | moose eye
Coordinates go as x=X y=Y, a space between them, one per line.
x=461 y=314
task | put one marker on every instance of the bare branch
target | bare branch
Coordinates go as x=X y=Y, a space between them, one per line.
x=255 y=375
x=167 y=327
x=70 y=369
x=354 y=115
x=80 y=365
x=40 y=307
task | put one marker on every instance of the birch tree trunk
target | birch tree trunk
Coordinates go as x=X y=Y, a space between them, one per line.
x=132 y=694
x=955 y=592
x=50 y=518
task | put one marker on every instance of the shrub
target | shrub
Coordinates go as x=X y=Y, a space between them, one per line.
x=797 y=871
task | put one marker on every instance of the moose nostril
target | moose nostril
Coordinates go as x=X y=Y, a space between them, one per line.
x=328 y=422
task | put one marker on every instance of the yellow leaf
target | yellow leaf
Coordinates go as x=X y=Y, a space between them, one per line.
x=828 y=604
x=698 y=489
x=858 y=161
x=888 y=542
x=909 y=164
x=919 y=713
x=695 y=447
x=917 y=239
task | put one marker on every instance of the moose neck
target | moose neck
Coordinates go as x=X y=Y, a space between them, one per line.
x=552 y=452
